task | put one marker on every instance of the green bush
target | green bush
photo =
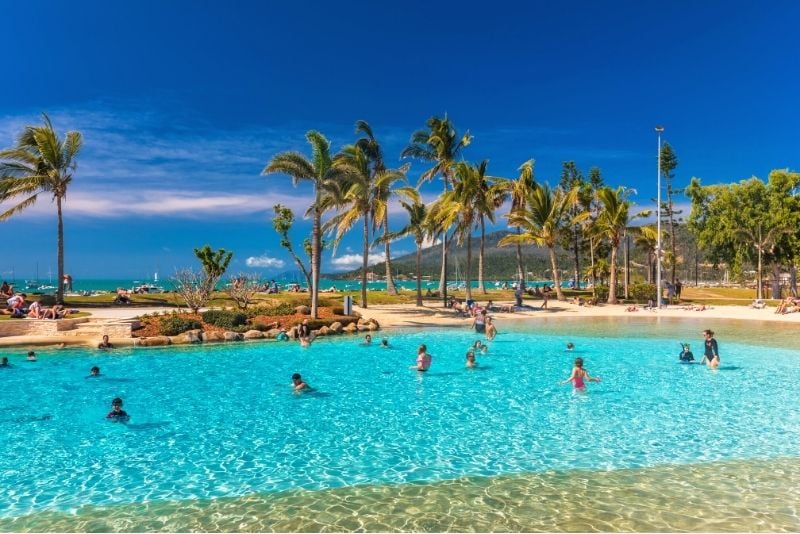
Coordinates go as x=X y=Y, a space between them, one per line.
x=641 y=293
x=224 y=318
x=261 y=327
x=174 y=325
x=602 y=293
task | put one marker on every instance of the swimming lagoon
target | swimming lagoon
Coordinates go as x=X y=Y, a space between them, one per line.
x=217 y=441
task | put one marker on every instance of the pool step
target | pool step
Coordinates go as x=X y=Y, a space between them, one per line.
x=114 y=328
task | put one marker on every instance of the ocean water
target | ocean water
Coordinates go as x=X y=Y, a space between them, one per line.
x=219 y=426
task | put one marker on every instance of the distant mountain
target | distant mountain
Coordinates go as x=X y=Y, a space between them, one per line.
x=499 y=263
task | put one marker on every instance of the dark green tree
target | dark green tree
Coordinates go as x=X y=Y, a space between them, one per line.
x=282 y=223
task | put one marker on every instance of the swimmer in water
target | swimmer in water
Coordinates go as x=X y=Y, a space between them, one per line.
x=580 y=376
x=686 y=355
x=478 y=346
x=94 y=371
x=491 y=329
x=298 y=385
x=384 y=343
x=105 y=344
x=368 y=340
x=117 y=414
x=423 y=359
x=471 y=363
x=570 y=346
x=4 y=362
x=31 y=356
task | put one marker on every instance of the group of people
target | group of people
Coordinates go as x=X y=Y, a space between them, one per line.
x=17 y=307
x=710 y=353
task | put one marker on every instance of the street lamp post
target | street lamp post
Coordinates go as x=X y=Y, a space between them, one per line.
x=659 y=131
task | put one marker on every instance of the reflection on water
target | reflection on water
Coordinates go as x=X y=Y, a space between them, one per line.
x=721 y=497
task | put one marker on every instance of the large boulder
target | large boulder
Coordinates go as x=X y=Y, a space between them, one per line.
x=232 y=336
x=154 y=341
x=363 y=327
x=323 y=331
x=211 y=336
x=303 y=310
x=350 y=328
x=254 y=334
x=336 y=327
x=272 y=333
x=372 y=326
x=373 y=321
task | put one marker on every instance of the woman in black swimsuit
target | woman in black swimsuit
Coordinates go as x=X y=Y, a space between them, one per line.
x=711 y=355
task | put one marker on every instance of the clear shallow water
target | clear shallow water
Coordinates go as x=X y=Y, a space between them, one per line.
x=220 y=421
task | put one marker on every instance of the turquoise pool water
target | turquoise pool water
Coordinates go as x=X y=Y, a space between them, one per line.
x=220 y=421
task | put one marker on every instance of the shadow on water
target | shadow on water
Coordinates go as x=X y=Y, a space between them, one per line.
x=115 y=379
x=148 y=426
x=728 y=368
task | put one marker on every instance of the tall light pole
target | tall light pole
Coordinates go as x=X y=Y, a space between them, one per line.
x=659 y=131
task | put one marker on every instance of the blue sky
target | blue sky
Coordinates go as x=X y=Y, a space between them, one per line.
x=182 y=103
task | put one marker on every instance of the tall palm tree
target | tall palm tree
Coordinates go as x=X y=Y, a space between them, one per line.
x=542 y=223
x=518 y=190
x=439 y=144
x=318 y=170
x=457 y=207
x=356 y=195
x=491 y=194
x=384 y=191
x=646 y=239
x=420 y=227
x=41 y=162
x=612 y=222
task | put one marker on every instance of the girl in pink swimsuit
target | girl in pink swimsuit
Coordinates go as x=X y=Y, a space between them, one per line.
x=579 y=374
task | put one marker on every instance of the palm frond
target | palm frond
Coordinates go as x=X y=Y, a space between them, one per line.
x=19 y=207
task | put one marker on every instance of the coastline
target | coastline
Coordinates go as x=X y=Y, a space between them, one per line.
x=391 y=316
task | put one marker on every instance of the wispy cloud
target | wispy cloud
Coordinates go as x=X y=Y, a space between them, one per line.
x=264 y=262
x=348 y=262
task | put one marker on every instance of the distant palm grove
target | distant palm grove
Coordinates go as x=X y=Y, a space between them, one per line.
x=585 y=229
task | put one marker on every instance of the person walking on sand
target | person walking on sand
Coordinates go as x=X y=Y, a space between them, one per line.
x=711 y=354
x=580 y=376
x=545 y=296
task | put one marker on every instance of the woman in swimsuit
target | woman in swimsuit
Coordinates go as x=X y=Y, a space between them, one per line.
x=580 y=376
x=711 y=355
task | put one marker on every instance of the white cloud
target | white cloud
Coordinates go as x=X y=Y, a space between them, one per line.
x=354 y=261
x=264 y=262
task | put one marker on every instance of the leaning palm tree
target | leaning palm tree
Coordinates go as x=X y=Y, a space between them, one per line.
x=42 y=162
x=420 y=227
x=612 y=223
x=518 y=190
x=646 y=239
x=318 y=170
x=542 y=223
x=441 y=145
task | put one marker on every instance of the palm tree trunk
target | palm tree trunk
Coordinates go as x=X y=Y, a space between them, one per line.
x=481 y=282
x=556 y=277
x=443 y=274
x=612 y=276
x=760 y=291
x=315 y=258
x=577 y=255
x=520 y=273
x=468 y=270
x=60 y=245
x=391 y=289
x=594 y=271
x=419 y=273
x=365 y=263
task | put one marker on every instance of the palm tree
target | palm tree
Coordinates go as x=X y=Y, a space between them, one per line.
x=356 y=193
x=542 y=223
x=384 y=190
x=318 y=170
x=458 y=207
x=612 y=223
x=41 y=162
x=421 y=228
x=440 y=145
x=491 y=194
x=646 y=239
x=518 y=190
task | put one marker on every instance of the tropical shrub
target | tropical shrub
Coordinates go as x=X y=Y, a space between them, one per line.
x=643 y=292
x=224 y=318
x=174 y=325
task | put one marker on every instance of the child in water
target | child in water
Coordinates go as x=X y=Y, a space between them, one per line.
x=298 y=385
x=579 y=374
x=686 y=355
x=31 y=356
x=117 y=414
x=94 y=371
x=423 y=359
x=471 y=359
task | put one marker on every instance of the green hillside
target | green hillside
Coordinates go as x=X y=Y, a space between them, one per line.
x=500 y=263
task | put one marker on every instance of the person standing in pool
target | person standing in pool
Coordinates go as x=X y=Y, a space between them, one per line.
x=368 y=340
x=105 y=344
x=423 y=359
x=491 y=329
x=711 y=355
x=479 y=323
x=580 y=376
x=117 y=414
x=471 y=363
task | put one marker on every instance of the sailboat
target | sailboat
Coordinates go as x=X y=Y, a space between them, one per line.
x=149 y=287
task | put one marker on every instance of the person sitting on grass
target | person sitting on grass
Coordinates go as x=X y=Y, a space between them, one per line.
x=35 y=310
